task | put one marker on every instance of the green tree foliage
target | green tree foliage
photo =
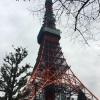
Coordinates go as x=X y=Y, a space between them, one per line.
x=13 y=76
x=81 y=96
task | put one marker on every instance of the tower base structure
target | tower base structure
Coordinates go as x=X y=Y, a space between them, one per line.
x=52 y=78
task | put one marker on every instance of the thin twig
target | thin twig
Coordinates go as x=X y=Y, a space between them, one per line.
x=76 y=18
x=82 y=36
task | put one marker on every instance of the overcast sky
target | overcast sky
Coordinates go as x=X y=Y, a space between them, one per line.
x=19 y=27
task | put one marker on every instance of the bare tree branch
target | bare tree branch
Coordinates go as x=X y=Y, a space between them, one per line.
x=76 y=18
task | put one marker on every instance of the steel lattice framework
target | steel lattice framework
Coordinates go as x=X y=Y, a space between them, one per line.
x=51 y=69
x=52 y=78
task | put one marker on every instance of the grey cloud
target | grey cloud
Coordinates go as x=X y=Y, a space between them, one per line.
x=18 y=27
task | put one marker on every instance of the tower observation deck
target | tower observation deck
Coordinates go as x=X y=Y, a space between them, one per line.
x=48 y=26
x=52 y=78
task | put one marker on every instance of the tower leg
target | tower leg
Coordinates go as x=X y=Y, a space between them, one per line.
x=49 y=92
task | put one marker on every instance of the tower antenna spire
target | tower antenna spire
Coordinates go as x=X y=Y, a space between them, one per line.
x=49 y=20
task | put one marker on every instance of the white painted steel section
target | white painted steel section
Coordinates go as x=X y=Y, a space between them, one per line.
x=52 y=31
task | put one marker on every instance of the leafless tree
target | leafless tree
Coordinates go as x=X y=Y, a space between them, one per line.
x=81 y=13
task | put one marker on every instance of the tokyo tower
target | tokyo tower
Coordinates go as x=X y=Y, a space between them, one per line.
x=52 y=78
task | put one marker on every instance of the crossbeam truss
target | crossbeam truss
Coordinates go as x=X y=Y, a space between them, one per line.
x=51 y=68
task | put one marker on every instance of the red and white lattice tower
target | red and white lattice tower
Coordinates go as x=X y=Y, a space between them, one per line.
x=52 y=78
